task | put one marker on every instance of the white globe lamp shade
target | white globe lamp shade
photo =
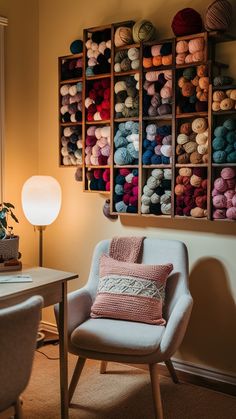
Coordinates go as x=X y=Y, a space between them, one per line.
x=41 y=200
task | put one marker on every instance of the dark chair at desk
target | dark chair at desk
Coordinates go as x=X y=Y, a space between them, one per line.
x=18 y=333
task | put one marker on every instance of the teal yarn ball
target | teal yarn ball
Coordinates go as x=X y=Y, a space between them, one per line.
x=135 y=172
x=134 y=153
x=122 y=128
x=76 y=47
x=220 y=131
x=229 y=148
x=119 y=190
x=120 y=141
x=189 y=73
x=219 y=156
x=231 y=158
x=122 y=157
x=231 y=137
x=89 y=71
x=230 y=124
x=120 y=179
x=143 y=30
x=121 y=206
x=218 y=143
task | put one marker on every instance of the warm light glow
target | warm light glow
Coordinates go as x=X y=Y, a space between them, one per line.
x=41 y=200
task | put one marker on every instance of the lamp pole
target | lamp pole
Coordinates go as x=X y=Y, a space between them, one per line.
x=41 y=229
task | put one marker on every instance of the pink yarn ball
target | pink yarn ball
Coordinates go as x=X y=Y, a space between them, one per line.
x=180 y=58
x=157 y=150
x=133 y=200
x=229 y=194
x=156 y=50
x=230 y=183
x=227 y=173
x=231 y=213
x=151 y=89
x=135 y=191
x=189 y=58
x=195 y=45
x=87 y=160
x=105 y=151
x=106 y=175
x=229 y=203
x=135 y=181
x=124 y=172
x=91 y=131
x=167 y=140
x=168 y=74
x=166 y=92
x=152 y=75
x=128 y=187
x=220 y=184
x=181 y=46
x=219 y=201
x=219 y=214
x=234 y=201
x=215 y=192
x=97 y=173
x=94 y=161
x=96 y=151
x=126 y=198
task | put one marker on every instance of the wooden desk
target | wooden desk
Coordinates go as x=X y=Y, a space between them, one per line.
x=52 y=286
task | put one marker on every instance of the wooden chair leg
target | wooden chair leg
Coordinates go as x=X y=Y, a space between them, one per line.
x=75 y=377
x=156 y=394
x=172 y=371
x=18 y=408
x=103 y=367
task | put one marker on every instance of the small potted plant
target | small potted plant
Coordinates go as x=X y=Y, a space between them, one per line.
x=9 y=243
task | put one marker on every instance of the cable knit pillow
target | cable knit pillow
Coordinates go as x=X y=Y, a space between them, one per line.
x=130 y=291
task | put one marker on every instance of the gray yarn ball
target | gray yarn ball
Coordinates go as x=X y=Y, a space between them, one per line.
x=147 y=191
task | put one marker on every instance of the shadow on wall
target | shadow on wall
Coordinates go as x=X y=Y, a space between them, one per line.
x=211 y=336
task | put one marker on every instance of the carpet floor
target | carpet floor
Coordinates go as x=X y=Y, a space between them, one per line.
x=122 y=393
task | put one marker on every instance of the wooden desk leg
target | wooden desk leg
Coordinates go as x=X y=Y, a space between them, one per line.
x=63 y=351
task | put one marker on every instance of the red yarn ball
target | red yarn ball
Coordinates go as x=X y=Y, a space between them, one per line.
x=92 y=94
x=126 y=198
x=135 y=191
x=124 y=172
x=128 y=187
x=186 y=22
x=133 y=200
x=105 y=83
x=105 y=104
x=201 y=201
x=90 y=116
x=135 y=181
x=179 y=211
x=97 y=173
x=106 y=175
x=102 y=160
x=204 y=184
x=107 y=93
x=187 y=210
x=105 y=114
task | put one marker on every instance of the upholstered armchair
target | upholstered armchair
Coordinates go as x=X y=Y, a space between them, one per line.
x=18 y=333
x=127 y=341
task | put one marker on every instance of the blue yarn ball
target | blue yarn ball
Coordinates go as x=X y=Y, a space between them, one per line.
x=71 y=147
x=146 y=143
x=230 y=124
x=79 y=86
x=220 y=131
x=164 y=130
x=219 y=156
x=134 y=153
x=122 y=156
x=155 y=159
x=135 y=128
x=147 y=155
x=120 y=142
x=135 y=172
x=101 y=184
x=231 y=137
x=74 y=138
x=120 y=180
x=76 y=47
x=119 y=190
x=129 y=125
x=165 y=160
x=117 y=198
x=231 y=158
x=120 y=207
x=235 y=145
x=131 y=209
x=193 y=99
x=93 y=185
x=218 y=143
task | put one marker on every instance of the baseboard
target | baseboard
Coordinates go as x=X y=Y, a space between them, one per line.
x=188 y=372
x=48 y=327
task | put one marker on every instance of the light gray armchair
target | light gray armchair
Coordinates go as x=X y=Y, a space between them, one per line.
x=18 y=333
x=131 y=342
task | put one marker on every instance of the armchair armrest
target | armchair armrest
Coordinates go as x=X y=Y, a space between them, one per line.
x=176 y=325
x=79 y=305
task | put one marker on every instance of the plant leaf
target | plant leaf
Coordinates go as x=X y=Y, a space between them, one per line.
x=8 y=205
x=14 y=217
x=4 y=222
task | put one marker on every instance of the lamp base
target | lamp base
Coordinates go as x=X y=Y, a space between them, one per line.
x=40 y=339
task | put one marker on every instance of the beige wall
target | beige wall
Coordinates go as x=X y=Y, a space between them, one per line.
x=69 y=242
x=21 y=142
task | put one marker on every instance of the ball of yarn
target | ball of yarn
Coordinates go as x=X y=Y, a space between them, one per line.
x=219 y=214
x=196 y=44
x=123 y=36
x=231 y=213
x=197 y=212
x=181 y=46
x=218 y=16
x=220 y=185
x=230 y=124
x=122 y=156
x=143 y=30
x=199 y=125
x=186 y=22
x=76 y=47
x=228 y=173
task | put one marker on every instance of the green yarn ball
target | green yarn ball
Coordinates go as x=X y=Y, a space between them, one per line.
x=218 y=143
x=230 y=124
x=219 y=156
x=189 y=73
x=231 y=158
x=143 y=30
x=220 y=131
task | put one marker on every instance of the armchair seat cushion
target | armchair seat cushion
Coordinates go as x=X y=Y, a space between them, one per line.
x=117 y=337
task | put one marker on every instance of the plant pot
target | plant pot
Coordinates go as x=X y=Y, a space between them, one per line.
x=9 y=248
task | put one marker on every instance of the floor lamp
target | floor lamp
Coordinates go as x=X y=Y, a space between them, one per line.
x=41 y=203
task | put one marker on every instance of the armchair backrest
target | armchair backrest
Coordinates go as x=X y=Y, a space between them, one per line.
x=18 y=333
x=155 y=252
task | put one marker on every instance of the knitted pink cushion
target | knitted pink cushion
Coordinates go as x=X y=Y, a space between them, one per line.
x=130 y=291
